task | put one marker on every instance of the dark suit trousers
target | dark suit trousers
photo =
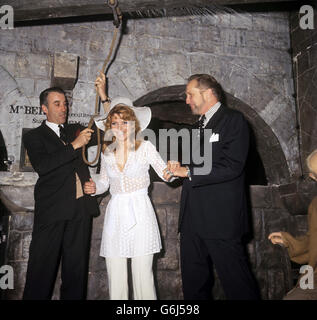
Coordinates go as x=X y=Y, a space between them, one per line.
x=67 y=241
x=197 y=258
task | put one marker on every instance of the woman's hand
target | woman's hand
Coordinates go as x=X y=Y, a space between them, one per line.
x=167 y=175
x=100 y=84
x=175 y=168
x=276 y=238
x=90 y=187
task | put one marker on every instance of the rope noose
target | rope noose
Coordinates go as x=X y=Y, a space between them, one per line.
x=113 y=4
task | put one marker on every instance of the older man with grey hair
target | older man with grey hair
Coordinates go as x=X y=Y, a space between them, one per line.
x=303 y=249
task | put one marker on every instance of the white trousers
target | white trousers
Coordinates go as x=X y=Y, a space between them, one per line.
x=142 y=278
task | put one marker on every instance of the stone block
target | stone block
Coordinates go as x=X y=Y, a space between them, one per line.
x=276 y=284
x=26 y=241
x=96 y=262
x=241 y=21
x=172 y=221
x=14 y=246
x=22 y=221
x=97 y=286
x=161 y=219
x=168 y=258
x=257 y=224
x=64 y=73
x=26 y=86
x=41 y=85
x=261 y=196
x=298 y=225
x=169 y=285
x=162 y=193
x=32 y=65
x=275 y=220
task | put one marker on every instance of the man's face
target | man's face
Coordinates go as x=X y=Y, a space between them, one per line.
x=195 y=98
x=56 y=111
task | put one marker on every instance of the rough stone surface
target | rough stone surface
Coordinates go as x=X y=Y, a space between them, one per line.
x=249 y=58
x=305 y=67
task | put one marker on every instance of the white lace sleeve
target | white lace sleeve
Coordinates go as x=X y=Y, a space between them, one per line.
x=102 y=179
x=155 y=160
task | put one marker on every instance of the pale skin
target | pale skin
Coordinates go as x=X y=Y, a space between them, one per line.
x=200 y=101
x=276 y=237
x=56 y=112
x=121 y=131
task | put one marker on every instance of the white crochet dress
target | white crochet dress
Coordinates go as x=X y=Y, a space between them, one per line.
x=130 y=225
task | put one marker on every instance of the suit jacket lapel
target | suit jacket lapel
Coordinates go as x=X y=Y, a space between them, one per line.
x=212 y=124
x=50 y=133
x=214 y=121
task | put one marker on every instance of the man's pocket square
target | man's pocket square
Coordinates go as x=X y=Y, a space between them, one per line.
x=214 y=137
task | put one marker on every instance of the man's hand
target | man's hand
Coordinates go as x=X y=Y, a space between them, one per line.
x=173 y=165
x=90 y=187
x=100 y=85
x=82 y=139
x=276 y=238
x=176 y=169
x=180 y=172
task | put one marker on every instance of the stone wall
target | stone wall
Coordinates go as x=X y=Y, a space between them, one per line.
x=304 y=45
x=247 y=52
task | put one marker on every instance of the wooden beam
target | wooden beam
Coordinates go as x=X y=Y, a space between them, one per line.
x=31 y=10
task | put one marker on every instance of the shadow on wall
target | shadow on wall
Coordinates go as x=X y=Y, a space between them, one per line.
x=3 y=153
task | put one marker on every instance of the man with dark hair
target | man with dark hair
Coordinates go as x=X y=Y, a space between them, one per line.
x=213 y=213
x=62 y=213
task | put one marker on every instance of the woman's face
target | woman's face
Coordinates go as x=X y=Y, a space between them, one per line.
x=119 y=127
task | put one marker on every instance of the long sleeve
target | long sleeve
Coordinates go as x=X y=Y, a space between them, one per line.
x=230 y=163
x=297 y=247
x=102 y=179
x=42 y=161
x=155 y=160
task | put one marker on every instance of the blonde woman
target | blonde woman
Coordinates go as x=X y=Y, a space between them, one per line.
x=130 y=225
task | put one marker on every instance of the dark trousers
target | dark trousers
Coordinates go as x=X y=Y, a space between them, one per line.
x=67 y=241
x=197 y=258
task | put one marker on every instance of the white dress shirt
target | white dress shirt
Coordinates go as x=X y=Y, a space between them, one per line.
x=54 y=127
x=212 y=110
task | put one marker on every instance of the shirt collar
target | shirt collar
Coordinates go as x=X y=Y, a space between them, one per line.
x=212 y=110
x=53 y=126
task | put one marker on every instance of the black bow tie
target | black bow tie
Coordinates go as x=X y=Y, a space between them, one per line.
x=62 y=133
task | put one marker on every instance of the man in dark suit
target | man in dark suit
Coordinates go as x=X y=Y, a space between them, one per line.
x=213 y=213
x=62 y=213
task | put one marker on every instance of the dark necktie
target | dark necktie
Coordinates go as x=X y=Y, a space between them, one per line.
x=201 y=125
x=62 y=133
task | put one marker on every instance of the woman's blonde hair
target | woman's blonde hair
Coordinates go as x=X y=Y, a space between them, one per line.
x=127 y=114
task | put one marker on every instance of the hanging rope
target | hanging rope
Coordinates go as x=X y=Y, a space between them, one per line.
x=113 y=4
